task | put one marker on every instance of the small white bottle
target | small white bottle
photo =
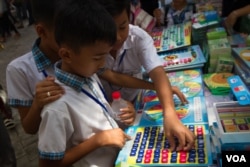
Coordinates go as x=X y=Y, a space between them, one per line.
x=117 y=104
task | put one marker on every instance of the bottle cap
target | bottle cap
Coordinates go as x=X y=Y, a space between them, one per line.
x=116 y=95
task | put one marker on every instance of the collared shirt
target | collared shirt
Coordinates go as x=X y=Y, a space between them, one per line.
x=139 y=53
x=75 y=118
x=179 y=16
x=23 y=73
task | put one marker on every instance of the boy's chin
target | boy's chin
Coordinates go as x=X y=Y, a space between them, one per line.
x=117 y=47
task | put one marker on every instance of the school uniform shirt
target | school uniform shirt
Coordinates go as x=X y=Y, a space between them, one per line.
x=137 y=52
x=23 y=73
x=178 y=16
x=74 y=118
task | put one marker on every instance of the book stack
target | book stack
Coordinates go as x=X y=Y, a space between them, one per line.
x=202 y=22
x=220 y=58
x=208 y=5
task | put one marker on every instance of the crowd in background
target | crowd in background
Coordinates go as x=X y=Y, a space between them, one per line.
x=13 y=13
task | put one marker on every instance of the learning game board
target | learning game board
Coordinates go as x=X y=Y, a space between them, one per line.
x=172 y=37
x=183 y=58
x=149 y=147
x=188 y=81
x=193 y=112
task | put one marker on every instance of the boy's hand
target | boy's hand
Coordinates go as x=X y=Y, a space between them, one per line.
x=47 y=91
x=180 y=95
x=113 y=137
x=128 y=114
x=174 y=128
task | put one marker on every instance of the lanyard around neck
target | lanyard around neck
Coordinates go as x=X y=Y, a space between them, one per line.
x=93 y=98
x=105 y=110
x=122 y=56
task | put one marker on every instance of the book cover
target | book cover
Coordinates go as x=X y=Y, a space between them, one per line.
x=183 y=58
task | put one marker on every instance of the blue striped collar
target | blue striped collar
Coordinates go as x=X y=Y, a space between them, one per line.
x=41 y=60
x=74 y=81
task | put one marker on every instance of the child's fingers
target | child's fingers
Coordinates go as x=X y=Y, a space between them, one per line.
x=127 y=137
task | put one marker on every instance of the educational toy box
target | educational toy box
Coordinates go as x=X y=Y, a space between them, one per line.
x=149 y=146
x=184 y=58
x=232 y=128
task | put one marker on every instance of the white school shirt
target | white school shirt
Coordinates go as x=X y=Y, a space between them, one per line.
x=72 y=119
x=22 y=75
x=140 y=52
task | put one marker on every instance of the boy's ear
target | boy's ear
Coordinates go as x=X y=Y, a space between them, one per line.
x=40 y=30
x=65 y=54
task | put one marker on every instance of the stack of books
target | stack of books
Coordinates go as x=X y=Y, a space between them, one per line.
x=220 y=57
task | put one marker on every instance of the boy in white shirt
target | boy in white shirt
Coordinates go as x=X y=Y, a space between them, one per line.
x=77 y=128
x=133 y=50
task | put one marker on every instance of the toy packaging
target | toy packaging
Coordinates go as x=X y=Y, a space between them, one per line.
x=173 y=37
x=217 y=83
x=184 y=58
x=231 y=131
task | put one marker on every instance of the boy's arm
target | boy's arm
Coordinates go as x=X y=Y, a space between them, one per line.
x=172 y=124
x=72 y=155
x=127 y=81
x=30 y=116
x=124 y=80
x=234 y=15
x=113 y=138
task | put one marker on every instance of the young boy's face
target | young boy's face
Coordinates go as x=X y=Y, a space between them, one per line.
x=88 y=60
x=122 y=24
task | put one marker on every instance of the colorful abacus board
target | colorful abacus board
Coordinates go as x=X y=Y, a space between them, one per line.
x=172 y=37
x=183 y=58
x=194 y=112
x=149 y=147
x=233 y=122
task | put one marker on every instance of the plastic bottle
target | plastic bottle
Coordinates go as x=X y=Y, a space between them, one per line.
x=117 y=104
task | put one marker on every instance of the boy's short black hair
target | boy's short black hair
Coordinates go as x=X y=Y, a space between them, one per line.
x=44 y=11
x=83 y=22
x=116 y=7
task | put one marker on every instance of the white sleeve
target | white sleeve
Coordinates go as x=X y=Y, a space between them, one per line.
x=18 y=87
x=55 y=131
x=147 y=53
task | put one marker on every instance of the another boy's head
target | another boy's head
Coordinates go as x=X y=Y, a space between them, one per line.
x=179 y=4
x=43 y=12
x=120 y=11
x=85 y=33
